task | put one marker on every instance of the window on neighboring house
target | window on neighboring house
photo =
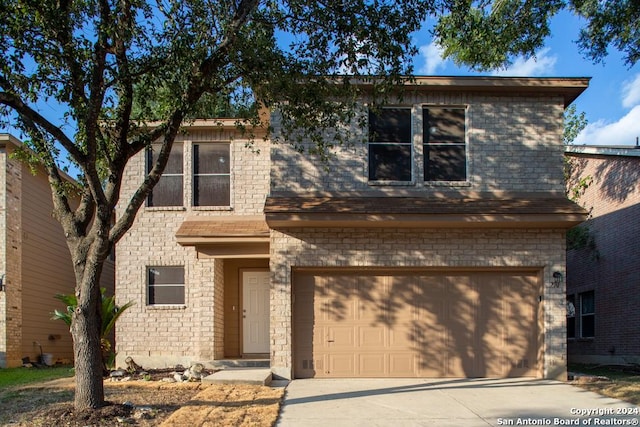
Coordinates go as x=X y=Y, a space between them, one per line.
x=390 y=145
x=211 y=175
x=571 y=316
x=443 y=134
x=165 y=285
x=587 y=314
x=168 y=191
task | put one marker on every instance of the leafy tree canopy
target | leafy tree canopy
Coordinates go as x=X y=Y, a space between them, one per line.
x=486 y=34
x=109 y=66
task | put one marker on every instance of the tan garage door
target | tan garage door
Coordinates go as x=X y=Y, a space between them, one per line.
x=416 y=324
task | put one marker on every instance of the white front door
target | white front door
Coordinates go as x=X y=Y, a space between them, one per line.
x=255 y=311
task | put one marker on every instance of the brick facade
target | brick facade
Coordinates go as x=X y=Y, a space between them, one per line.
x=608 y=265
x=514 y=147
x=162 y=336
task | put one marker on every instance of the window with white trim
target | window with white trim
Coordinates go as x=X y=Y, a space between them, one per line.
x=392 y=156
x=165 y=285
x=211 y=174
x=169 y=189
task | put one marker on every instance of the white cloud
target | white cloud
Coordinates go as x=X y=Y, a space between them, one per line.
x=432 y=54
x=622 y=132
x=631 y=92
x=542 y=64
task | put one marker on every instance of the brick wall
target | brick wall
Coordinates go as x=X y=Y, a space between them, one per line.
x=13 y=260
x=3 y=259
x=167 y=335
x=514 y=144
x=539 y=249
x=609 y=266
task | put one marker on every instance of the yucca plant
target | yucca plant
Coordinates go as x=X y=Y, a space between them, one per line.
x=109 y=311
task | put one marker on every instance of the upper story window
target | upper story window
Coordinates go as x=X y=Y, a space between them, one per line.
x=443 y=138
x=211 y=175
x=390 y=145
x=168 y=191
x=391 y=150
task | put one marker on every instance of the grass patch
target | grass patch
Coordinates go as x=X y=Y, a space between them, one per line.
x=623 y=384
x=15 y=377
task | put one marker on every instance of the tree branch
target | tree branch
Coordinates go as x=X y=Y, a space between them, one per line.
x=29 y=113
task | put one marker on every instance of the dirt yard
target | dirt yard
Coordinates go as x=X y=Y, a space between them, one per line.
x=143 y=403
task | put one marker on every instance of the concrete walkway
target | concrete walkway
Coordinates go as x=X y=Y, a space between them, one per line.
x=448 y=402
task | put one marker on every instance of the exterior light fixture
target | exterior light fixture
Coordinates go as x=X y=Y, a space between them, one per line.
x=556 y=280
x=3 y=286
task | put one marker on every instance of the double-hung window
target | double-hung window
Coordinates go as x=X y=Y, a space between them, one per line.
x=168 y=191
x=571 y=316
x=443 y=138
x=390 y=145
x=211 y=175
x=165 y=285
x=391 y=136
x=587 y=314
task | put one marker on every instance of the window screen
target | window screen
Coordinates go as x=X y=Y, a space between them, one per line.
x=443 y=133
x=165 y=285
x=211 y=175
x=390 y=142
x=169 y=190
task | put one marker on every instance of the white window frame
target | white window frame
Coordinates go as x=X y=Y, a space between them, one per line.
x=194 y=174
x=148 y=270
x=410 y=144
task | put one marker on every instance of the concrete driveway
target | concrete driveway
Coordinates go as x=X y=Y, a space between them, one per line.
x=448 y=402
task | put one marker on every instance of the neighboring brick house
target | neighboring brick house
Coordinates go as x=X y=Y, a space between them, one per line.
x=603 y=276
x=35 y=265
x=426 y=248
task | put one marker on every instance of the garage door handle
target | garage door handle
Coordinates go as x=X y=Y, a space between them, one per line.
x=331 y=341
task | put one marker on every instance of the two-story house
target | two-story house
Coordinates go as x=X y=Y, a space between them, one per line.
x=433 y=246
x=603 y=273
x=35 y=264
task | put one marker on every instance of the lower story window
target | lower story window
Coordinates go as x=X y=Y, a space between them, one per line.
x=587 y=314
x=571 y=316
x=165 y=285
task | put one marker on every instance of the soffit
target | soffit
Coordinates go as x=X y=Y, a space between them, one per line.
x=567 y=87
x=552 y=212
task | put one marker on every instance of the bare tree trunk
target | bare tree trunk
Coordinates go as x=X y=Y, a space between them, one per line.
x=85 y=329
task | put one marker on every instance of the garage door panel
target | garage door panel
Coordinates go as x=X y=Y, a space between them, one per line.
x=341 y=365
x=371 y=337
x=372 y=301
x=341 y=338
x=372 y=365
x=402 y=364
x=403 y=324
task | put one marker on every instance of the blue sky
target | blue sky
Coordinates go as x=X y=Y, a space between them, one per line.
x=611 y=103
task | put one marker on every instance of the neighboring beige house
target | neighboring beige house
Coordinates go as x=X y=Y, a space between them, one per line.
x=433 y=246
x=603 y=276
x=35 y=265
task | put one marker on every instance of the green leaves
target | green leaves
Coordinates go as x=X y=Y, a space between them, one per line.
x=609 y=24
x=109 y=310
x=487 y=35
